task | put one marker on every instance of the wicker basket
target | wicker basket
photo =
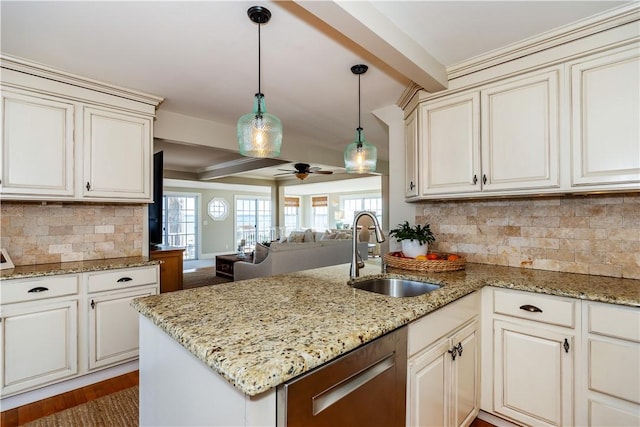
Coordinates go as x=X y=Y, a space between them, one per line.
x=424 y=265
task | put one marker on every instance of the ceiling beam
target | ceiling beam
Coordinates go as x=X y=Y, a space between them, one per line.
x=361 y=22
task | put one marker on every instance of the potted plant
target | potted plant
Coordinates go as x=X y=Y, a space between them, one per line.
x=415 y=240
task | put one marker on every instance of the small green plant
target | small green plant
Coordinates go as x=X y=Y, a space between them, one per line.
x=407 y=232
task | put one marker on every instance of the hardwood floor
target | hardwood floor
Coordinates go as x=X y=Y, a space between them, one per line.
x=42 y=408
x=24 y=414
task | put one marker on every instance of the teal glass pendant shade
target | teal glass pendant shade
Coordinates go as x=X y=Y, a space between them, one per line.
x=259 y=133
x=360 y=156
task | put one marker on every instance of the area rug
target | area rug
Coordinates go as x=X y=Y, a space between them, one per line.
x=118 y=409
x=202 y=277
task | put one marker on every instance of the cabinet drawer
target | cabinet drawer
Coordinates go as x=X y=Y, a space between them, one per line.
x=614 y=321
x=541 y=308
x=121 y=279
x=38 y=288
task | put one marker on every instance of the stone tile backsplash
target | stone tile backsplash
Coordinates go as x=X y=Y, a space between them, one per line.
x=596 y=234
x=37 y=233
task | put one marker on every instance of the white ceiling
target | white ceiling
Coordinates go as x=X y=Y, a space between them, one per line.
x=202 y=57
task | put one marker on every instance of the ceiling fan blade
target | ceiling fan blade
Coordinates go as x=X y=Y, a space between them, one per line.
x=286 y=173
x=324 y=172
x=313 y=169
x=287 y=170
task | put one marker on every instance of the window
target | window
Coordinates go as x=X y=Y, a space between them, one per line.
x=291 y=213
x=253 y=220
x=180 y=217
x=218 y=209
x=320 y=212
x=353 y=204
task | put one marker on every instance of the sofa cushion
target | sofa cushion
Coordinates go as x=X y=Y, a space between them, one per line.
x=280 y=247
x=328 y=235
x=260 y=253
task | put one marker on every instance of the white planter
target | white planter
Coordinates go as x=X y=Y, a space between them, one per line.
x=413 y=248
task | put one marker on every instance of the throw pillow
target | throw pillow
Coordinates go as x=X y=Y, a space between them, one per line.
x=309 y=236
x=296 y=237
x=260 y=253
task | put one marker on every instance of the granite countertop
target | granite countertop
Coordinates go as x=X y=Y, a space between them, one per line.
x=53 y=269
x=262 y=332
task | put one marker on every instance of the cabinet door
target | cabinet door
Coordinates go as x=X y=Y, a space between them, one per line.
x=113 y=327
x=465 y=376
x=533 y=374
x=520 y=133
x=117 y=155
x=429 y=387
x=39 y=344
x=450 y=145
x=411 y=155
x=605 y=119
x=37 y=145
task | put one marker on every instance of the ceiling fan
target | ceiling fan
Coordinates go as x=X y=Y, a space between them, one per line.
x=302 y=170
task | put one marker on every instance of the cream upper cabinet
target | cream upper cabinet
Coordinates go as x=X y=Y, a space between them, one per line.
x=65 y=138
x=449 y=141
x=502 y=138
x=521 y=133
x=605 y=119
x=37 y=144
x=411 y=155
x=117 y=150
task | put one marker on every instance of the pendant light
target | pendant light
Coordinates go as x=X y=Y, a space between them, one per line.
x=259 y=133
x=360 y=156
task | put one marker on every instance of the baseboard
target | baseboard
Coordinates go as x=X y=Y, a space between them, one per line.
x=496 y=421
x=65 y=386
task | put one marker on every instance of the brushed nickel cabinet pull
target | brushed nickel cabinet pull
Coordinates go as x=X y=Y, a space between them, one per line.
x=38 y=289
x=530 y=308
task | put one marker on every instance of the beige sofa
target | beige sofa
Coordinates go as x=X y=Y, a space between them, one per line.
x=290 y=257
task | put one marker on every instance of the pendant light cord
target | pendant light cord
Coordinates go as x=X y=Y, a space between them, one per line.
x=359 y=114
x=259 y=75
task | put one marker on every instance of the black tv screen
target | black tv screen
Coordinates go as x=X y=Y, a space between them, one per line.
x=155 y=208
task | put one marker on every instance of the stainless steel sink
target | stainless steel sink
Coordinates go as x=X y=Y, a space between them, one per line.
x=395 y=287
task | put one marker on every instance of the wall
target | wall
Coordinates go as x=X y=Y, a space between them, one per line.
x=36 y=233
x=216 y=237
x=597 y=234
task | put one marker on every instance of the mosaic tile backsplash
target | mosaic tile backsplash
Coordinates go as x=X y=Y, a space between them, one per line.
x=36 y=233
x=596 y=234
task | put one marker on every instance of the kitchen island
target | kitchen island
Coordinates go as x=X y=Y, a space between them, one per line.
x=221 y=350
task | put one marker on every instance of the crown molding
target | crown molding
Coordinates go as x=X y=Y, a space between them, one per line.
x=44 y=71
x=583 y=28
x=407 y=95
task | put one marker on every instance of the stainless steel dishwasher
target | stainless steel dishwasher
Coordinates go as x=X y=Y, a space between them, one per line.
x=365 y=387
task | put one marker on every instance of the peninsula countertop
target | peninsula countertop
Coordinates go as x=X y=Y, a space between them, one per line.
x=262 y=332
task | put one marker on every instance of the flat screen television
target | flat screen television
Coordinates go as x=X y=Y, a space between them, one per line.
x=155 y=208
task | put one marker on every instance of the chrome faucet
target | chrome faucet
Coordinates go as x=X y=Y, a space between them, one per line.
x=357 y=264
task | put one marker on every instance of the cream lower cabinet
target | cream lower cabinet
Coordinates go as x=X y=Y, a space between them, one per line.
x=38 y=332
x=531 y=343
x=113 y=323
x=113 y=327
x=611 y=370
x=443 y=366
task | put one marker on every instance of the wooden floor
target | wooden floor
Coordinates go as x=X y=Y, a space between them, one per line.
x=24 y=414
x=42 y=408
